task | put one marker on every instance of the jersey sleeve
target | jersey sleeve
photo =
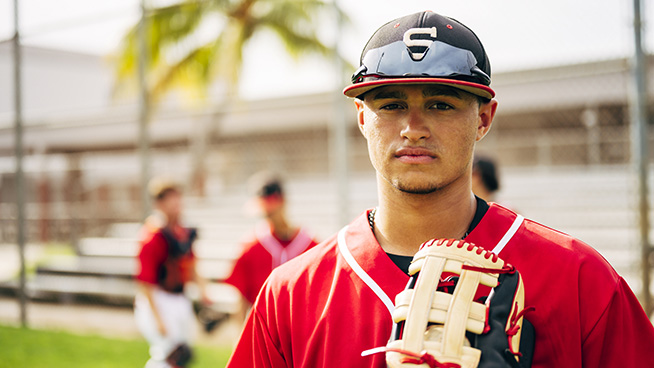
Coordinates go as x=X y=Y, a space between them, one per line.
x=152 y=255
x=239 y=276
x=623 y=336
x=255 y=347
x=250 y=271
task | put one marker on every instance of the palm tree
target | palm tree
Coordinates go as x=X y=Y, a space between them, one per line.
x=175 y=27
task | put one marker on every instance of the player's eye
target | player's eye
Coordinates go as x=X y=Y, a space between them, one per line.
x=391 y=106
x=441 y=106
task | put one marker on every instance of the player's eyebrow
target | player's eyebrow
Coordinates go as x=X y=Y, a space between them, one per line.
x=427 y=92
x=386 y=94
x=440 y=91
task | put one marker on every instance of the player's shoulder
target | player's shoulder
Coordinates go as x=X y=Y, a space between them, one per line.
x=535 y=235
x=249 y=242
x=555 y=240
x=151 y=237
x=561 y=249
x=315 y=262
x=153 y=246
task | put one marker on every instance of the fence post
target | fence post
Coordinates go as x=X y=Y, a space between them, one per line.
x=18 y=147
x=144 y=110
x=640 y=155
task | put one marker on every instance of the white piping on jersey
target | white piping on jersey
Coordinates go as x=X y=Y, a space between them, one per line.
x=508 y=235
x=279 y=253
x=349 y=258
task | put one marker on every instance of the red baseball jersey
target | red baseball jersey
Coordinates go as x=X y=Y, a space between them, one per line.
x=324 y=308
x=153 y=256
x=261 y=255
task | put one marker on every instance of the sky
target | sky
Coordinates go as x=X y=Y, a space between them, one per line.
x=517 y=34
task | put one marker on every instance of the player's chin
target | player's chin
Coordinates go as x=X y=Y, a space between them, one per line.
x=416 y=185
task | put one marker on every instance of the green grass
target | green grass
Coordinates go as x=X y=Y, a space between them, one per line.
x=55 y=349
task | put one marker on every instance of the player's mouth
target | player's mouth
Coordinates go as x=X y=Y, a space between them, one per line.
x=415 y=155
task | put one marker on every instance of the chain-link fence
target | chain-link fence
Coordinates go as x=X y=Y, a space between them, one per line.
x=561 y=139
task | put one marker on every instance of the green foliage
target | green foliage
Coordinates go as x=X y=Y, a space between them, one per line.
x=175 y=59
x=55 y=349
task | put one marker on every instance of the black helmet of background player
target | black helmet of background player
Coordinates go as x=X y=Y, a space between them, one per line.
x=423 y=48
x=268 y=191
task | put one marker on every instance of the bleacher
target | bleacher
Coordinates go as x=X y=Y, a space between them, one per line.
x=593 y=204
x=103 y=270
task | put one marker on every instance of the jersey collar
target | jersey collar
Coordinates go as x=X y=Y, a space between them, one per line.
x=496 y=229
x=358 y=245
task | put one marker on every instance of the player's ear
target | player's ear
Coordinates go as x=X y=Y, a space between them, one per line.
x=360 y=115
x=485 y=119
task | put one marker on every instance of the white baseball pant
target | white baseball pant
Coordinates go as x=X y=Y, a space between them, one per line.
x=176 y=312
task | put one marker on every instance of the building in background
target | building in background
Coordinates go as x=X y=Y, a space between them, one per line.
x=558 y=129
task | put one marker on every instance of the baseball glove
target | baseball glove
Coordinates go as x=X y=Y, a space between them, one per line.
x=180 y=356
x=438 y=324
x=208 y=316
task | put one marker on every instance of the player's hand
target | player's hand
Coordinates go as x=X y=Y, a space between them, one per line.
x=205 y=300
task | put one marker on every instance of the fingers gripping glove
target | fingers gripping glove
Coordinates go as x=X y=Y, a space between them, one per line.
x=434 y=328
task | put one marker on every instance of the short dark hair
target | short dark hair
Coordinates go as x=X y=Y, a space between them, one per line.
x=160 y=187
x=486 y=168
x=482 y=100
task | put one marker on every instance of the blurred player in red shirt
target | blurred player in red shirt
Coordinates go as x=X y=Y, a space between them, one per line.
x=274 y=241
x=163 y=313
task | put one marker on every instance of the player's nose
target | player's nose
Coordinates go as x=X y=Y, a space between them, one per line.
x=414 y=127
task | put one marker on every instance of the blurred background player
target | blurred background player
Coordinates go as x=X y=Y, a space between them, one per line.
x=274 y=241
x=485 y=179
x=163 y=313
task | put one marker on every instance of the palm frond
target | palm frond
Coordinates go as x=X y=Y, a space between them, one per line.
x=190 y=72
x=196 y=66
x=166 y=26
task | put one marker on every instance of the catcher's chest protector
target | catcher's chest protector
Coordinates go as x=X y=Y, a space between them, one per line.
x=440 y=327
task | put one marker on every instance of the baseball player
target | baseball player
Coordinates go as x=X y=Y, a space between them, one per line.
x=164 y=315
x=275 y=240
x=485 y=179
x=423 y=100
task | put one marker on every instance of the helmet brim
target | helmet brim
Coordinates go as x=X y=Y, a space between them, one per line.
x=358 y=89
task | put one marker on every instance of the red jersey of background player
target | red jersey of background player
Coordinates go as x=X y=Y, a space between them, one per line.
x=275 y=240
x=261 y=255
x=166 y=257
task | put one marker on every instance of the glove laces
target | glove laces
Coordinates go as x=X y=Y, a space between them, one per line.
x=423 y=358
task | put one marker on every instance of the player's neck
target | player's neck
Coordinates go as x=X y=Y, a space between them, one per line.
x=404 y=221
x=280 y=227
x=172 y=221
x=485 y=195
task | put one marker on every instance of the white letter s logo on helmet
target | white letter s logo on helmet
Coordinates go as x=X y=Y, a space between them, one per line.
x=421 y=42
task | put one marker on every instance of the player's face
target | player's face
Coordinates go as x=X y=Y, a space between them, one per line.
x=271 y=205
x=421 y=138
x=171 y=205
